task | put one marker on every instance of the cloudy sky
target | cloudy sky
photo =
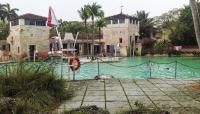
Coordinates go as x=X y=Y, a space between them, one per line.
x=67 y=9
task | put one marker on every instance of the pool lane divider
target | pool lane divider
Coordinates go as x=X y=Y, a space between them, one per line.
x=84 y=95
x=125 y=94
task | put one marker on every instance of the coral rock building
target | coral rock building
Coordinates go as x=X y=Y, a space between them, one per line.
x=28 y=34
x=120 y=34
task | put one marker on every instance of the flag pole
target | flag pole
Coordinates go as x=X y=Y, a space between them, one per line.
x=60 y=40
x=61 y=48
x=76 y=39
x=53 y=22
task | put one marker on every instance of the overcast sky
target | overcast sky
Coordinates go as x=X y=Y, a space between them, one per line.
x=67 y=9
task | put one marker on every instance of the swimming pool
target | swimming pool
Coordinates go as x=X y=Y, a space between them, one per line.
x=141 y=68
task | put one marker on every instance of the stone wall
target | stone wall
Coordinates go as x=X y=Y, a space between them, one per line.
x=22 y=36
x=14 y=40
x=34 y=35
x=112 y=33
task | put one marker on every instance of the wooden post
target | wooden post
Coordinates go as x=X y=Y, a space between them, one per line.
x=73 y=75
x=149 y=69
x=175 y=69
x=98 y=66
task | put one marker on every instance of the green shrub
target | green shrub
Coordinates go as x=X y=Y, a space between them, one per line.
x=141 y=109
x=87 y=110
x=160 y=45
x=174 y=53
x=34 y=87
x=196 y=53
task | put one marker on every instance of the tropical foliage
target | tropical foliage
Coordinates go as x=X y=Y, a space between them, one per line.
x=94 y=11
x=6 y=12
x=33 y=87
x=87 y=12
x=4 y=30
x=161 y=45
x=84 y=15
x=73 y=27
x=100 y=23
x=178 y=25
x=146 y=24
x=87 y=110
x=184 y=33
x=141 y=109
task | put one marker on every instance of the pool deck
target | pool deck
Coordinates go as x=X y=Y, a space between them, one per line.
x=175 y=96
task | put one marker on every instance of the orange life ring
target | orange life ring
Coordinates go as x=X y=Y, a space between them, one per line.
x=72 y=60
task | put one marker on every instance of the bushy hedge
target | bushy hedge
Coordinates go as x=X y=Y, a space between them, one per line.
x=174 y=53
x=87 y=110
x=196 y=53
x=169 y=52
x=141 y=109
x=33 y=86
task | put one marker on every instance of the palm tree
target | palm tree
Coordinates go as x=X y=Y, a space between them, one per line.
x=146 y=23
x=84 y=15
x=100 y=23
x=94 y=10
x=195 y=14
x=10 y=12
x=2 y=12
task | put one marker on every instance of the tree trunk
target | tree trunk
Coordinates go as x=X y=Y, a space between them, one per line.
x=92 y=38
x=99 y=34
x=195 y=14
x=87 y=48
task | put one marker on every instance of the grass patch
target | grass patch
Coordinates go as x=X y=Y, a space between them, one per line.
x=32 y=86
x=141 y=109
x=87 y=110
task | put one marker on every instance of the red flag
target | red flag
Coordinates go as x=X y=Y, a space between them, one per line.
x=52 y=21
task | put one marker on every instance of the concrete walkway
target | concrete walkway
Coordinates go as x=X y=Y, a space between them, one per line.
x=116 y=95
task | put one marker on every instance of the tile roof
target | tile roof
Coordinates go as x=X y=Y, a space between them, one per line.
x=30 y=16
x=121 y=16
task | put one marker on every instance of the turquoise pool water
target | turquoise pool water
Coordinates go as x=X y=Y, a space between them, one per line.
x=159 y=67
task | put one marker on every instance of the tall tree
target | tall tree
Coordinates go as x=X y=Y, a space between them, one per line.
x=10 y=12
x=100 y=23
x=196 y=20
x=4 y=30
x=167 y=20
x=6 y=13
x=146 y=23
x=84 y=15
x=2 y=12
x=94 y=11
x=184 y=33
